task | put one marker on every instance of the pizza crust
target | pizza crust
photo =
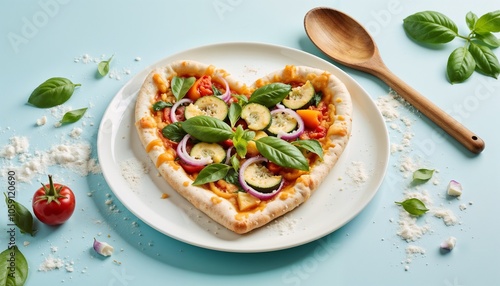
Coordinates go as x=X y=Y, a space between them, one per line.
x=222 y=210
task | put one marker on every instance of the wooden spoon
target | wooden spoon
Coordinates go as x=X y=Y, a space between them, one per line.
x=346 y=41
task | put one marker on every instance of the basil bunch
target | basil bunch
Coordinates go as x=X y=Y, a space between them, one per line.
x=432 y=27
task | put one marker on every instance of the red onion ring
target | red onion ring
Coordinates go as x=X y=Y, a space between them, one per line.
x=184 y=155
x=300 y=128
x=228 y=155
x=173 y=118
x=250 y=190
x=226 y=96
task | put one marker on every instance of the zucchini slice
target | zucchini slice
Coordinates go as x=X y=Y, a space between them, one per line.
x=299 y=97
x=281 y=121
x=261 y=179
x=207 y=105
x=212 y=150
x=257 y=116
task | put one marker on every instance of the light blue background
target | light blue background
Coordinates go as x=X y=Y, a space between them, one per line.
x=49 y=36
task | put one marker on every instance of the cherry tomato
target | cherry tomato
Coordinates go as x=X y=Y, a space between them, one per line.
x=201 y=87
x=190 y=169
x=53 y=204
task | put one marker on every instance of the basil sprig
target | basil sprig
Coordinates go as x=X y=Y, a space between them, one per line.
x=52 y=92
x=22 y=217
x=160 y=105
x=278 y=151
x=432 y=27
x=413 y=206
x=73 y=115
x=14 y=267
x=181 y=85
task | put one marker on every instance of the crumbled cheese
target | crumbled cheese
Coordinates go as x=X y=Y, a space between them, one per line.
x=76 y=132
x=51 y=263
x=18 y=145
x=41 y=121
x=446 y=215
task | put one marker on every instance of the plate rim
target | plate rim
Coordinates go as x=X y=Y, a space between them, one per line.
x=143 y=73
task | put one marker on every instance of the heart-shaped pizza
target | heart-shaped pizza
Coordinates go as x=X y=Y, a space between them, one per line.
x=243 y=154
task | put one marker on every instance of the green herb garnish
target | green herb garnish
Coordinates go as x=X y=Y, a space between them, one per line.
x=413 y=206
x=52 y=92
x=435 y=28
x=103 y=66
x=73 y=115
x=21 y=217
x=422 y=175
x=14 y=267
x=181 y=85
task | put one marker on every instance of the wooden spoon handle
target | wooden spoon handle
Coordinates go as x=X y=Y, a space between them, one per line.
x=454 y=128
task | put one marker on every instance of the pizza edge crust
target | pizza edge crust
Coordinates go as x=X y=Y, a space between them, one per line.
x=221 y=210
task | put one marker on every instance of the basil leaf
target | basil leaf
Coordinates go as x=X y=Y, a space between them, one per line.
x=14 y=267
x=316 y=98
x=211 y=173
x=430 y=27
x=52 y=92
x=460 y=65
x=422 y=175
x=234 y=113
x=173 y=132
x=242 y=100
x=22 y=217
x=207 y=129
x=487 y=39
x=271 y=94
x=471 y=20
x=73 y=115
x=232 y=177
x=486 y=61
x=181 y=85
x=489 y=22
x=103 y=67
x=240 y=142
x=160 y=105
x=311 y=146
x=216 y=91
x=414 y=206
x=282 y=153
x=235 y=162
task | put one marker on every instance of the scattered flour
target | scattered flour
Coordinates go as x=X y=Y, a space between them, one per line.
x=357 y=172
x=446 y=215
x=132 y=171
x=76 y=132
x=75 y=157
x=53 y=263
x=284 y=225
x=41 y=121
x=18 y=145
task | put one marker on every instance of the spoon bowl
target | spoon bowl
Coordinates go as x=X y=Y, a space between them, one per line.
x=346 y=41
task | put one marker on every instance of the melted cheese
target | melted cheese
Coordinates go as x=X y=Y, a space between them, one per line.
x=152 y=144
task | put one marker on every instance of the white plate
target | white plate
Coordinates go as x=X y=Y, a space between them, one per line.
x=335 y=203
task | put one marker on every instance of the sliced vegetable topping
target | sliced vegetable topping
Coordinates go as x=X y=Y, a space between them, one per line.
x=257 y=116
x=213 y=151
x=211 y=106
x=183 y=154
x=300 y=97
x=173 y=115
x=288 y=117
x=252 y=176
x=281 y=121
